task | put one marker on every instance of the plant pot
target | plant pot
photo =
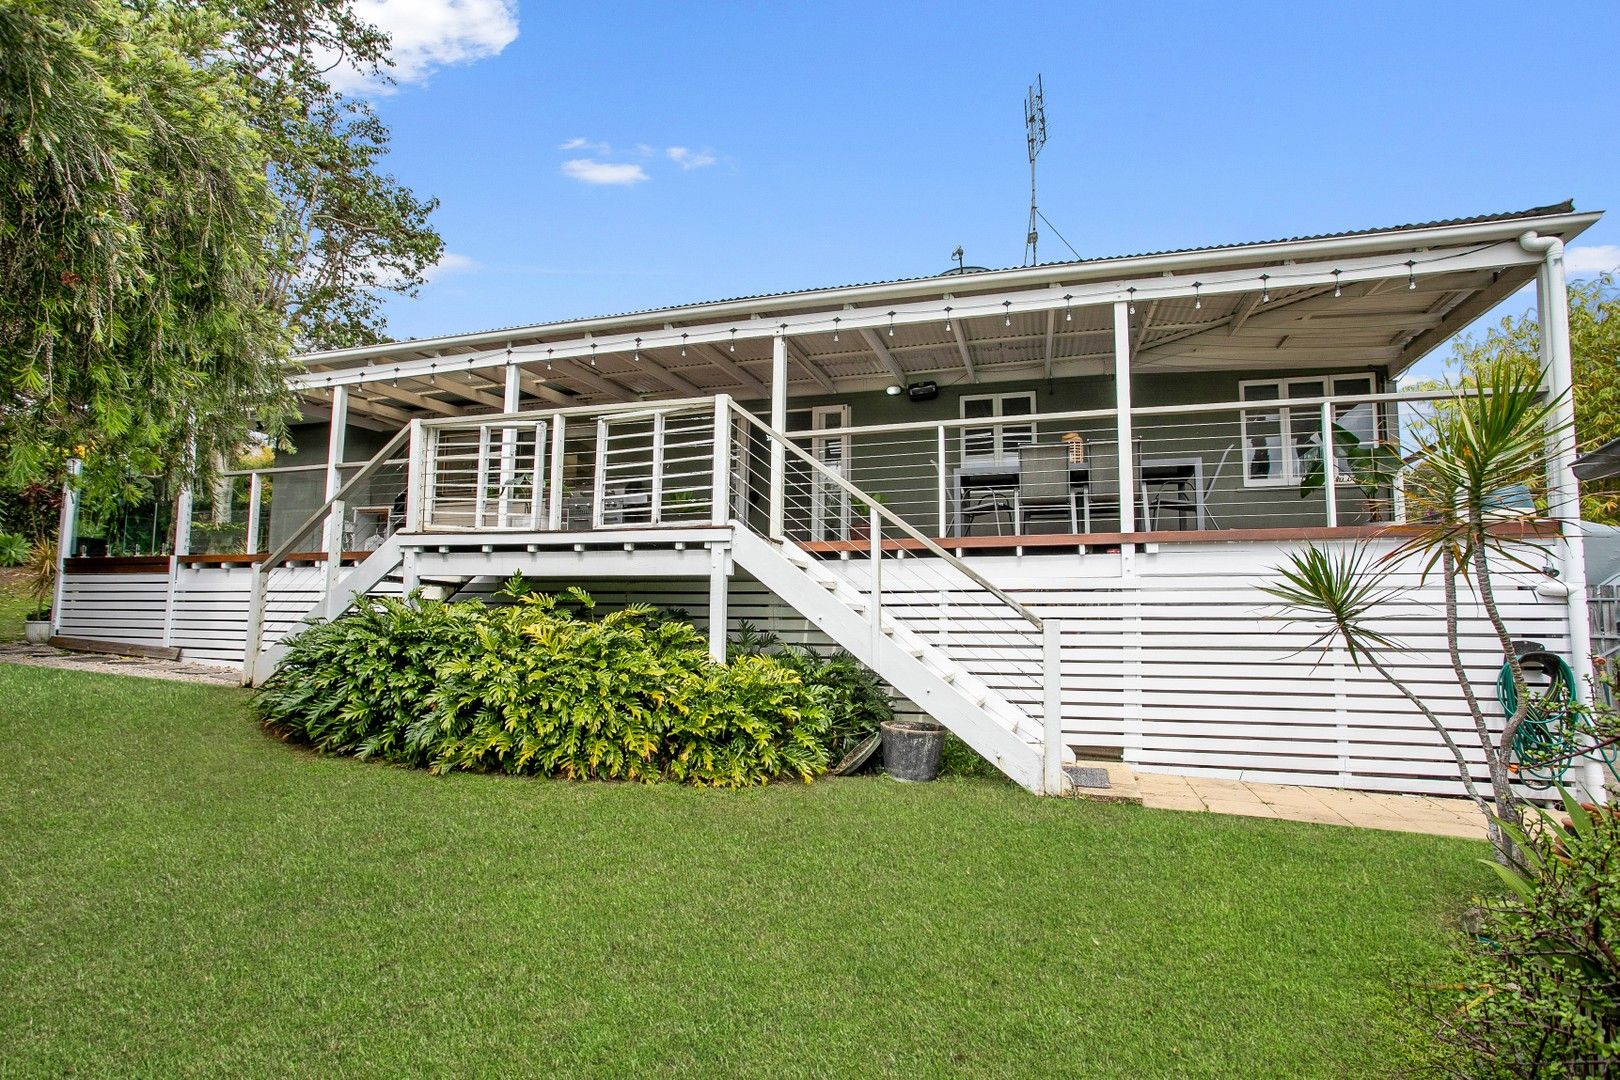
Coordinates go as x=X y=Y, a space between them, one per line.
x=911 y=749
x=37 y=631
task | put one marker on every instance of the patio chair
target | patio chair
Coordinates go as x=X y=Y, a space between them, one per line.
x=1043 y=487
x=1184 y=501
x=980 y=501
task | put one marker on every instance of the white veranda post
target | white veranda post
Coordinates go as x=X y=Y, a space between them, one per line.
x=1122 y=428
x=779 y=358
x=334 y=483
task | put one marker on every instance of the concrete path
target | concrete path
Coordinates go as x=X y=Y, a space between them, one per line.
x=1328 y=806
x=175 y=670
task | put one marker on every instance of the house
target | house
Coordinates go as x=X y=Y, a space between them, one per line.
x=1038 y=501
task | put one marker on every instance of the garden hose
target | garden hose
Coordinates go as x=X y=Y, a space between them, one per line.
x=1551 y=735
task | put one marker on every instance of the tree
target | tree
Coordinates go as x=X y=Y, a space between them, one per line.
x=1594 y=335
x=135 y=221
x=184 y=201
x=1468 y=452
x=348 y=232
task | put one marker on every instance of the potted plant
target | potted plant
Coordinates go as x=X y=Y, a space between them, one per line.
x=40 y=573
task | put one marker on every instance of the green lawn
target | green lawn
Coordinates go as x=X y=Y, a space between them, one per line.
x=14 y=605
x=182 y=895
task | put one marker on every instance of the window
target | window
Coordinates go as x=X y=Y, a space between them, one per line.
x=996 y=441
x=1280 y=443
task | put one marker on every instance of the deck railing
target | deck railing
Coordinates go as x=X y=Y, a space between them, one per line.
x=1222 y=466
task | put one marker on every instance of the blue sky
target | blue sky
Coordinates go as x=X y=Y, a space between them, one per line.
x=610 y=157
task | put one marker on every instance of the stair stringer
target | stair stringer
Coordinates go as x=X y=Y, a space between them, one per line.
x=912 y=675
x=360 y=579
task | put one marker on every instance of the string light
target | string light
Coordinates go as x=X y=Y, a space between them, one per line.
x=891 y=324
x=1338 y=290
x=733 y=339
x=396 y=376
x=593 y=354
x=836 y=321
x=947 y=318
x=1007 y=307
x=433 y=375
x=1198 y=297
x=1131 y=292
x=548 y=358
x=1411 y=273
x=1068 y=312
x=1265 y=288
x=683 y=344
x=636 y=356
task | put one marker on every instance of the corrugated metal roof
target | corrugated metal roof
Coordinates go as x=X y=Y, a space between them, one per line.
x=1565 y=207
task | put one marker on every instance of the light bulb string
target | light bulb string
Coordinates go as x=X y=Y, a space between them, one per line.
x=1264 y=281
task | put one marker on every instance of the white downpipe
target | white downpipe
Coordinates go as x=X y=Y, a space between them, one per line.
x=1552 y=296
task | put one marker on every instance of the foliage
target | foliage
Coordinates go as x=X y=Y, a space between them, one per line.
x=1539 y=992
x=1594 y=336
x=355 y=685
x=39 y=572
x=858 y=701
x=346 y=231
x=542 y=687
x=957 y=758
x=135 y=240
x=1468 y=450
x=1371 y=467
x=13 y=549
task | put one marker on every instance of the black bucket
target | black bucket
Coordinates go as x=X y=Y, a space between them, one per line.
x=911 y=749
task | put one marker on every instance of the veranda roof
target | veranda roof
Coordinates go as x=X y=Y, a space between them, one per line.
x=1367 y=298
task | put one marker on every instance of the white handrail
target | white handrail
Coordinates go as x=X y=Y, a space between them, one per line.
x=881 y=511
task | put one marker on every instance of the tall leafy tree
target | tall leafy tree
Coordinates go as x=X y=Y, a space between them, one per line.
x=135 y=221
x=349 y=232
x=1594 y=338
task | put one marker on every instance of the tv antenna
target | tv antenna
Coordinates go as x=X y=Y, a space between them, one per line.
x=1035 y=136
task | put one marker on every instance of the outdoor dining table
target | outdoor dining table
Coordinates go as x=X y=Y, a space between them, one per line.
x=1157 y=478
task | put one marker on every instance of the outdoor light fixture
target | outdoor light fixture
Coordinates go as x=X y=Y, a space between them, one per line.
x=1068 y=313
x=894 y=390
x=836 y=321
x=922 y=391
x=593 y=354
x=1338 y=290
x=1198 y=299
x=1007 y=305
x=947 y=318
x=891 y=324
x=1131 y=292
x=683 y=344
x=733 y=339
x=1265 y=288
x=636 y=356
x=1411 y=273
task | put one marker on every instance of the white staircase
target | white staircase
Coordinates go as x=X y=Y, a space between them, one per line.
x=1022 y=740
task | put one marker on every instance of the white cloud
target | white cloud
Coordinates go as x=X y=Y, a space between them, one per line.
x=688 y=158
x=591 y=171
x=449 y=263
x=429 y=34
x=577 y=143
x=1592 y=259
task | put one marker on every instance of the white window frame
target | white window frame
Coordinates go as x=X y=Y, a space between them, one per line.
x=1291 y=474
x=998 y=402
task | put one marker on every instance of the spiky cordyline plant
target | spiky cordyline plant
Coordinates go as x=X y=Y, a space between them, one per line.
x=1471 y=448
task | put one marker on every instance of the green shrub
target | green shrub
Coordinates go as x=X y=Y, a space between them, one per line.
x=858 y=701
x=539 y=688
x=13 y=549
x=1539 y=992
x=354 y=685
